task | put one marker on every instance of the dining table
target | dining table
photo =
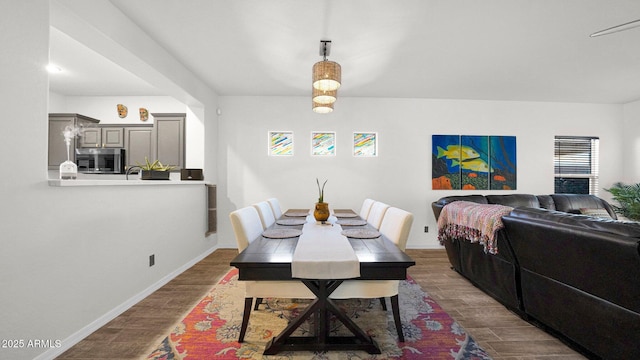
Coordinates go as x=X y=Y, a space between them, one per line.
x=278 y=255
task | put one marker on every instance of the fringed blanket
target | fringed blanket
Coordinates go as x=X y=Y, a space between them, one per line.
x=473 y=222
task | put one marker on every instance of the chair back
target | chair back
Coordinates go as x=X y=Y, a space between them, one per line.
x=377 y=213
x=366 y=207
x=246 y=226
x=266 y=214
x=396 y=226
x=275 y=207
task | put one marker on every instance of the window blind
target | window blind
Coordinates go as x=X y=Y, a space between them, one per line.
x=575 y=164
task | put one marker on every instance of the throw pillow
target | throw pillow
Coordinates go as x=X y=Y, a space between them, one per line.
x=599 y=213
x=624 y=219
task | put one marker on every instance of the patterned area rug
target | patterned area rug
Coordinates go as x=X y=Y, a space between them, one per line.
x=211 y=329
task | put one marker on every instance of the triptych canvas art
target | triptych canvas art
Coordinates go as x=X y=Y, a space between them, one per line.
x=470 y=162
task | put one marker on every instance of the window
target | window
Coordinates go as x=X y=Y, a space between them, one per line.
x=575 y=163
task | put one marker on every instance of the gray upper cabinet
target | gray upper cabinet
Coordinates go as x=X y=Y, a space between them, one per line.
x=91 y=137
x=138 y=141
x=103 y=136
x=57 y=146
x=169 y=138
x=113 y=137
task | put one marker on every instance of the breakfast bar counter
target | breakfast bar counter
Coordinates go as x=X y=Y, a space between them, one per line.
x=136 y=182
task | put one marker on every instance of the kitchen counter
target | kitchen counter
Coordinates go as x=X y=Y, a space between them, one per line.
x=118 y=180
x=63 y=183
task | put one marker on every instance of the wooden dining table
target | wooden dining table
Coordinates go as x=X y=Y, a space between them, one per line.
x=271 y=259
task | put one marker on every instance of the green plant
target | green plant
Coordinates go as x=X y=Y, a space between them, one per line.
x=321 y=190
x=156 y=166
x=628 y=197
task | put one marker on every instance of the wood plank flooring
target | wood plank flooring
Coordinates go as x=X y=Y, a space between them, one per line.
x=500 y=332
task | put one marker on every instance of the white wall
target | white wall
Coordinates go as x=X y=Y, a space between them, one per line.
x=401 y=174
x=104 y=109
x=631 y=141
x=73 y=258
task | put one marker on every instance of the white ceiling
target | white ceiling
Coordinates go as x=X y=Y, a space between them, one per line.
x=528 y=50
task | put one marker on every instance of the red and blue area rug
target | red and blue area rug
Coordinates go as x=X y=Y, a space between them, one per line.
x=211 y=329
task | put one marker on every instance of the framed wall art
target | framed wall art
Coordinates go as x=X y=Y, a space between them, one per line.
x=365 y=144
x=281 y=143
x=471 y=162
x=323 y=143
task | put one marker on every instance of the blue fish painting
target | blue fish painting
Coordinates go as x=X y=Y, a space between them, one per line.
x=473 y=162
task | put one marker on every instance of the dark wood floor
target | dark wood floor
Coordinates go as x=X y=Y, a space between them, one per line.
x=502 y=333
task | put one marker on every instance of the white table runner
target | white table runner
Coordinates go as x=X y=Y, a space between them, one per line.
x=323 y=252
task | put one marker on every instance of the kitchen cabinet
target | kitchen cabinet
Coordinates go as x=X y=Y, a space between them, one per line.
x=163 y=140
x=57 y=146
x=103 y=136
x=168 y=137
x=138 y=142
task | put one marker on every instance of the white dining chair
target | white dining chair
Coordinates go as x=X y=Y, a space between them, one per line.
x=376 y=214
x=366 y=207
x=266 y=214
x=248 y=227
x=396 y=226
x=275 y=207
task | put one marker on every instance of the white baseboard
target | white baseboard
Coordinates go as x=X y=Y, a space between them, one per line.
x=115 y=312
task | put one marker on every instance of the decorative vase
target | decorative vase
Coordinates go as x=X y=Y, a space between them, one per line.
x=321 y=212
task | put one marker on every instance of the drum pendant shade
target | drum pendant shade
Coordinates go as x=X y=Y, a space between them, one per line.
x=327 y=75
x=324 y=97
x=322 y=108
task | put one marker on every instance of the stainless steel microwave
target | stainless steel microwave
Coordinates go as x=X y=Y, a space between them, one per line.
x=100 y=160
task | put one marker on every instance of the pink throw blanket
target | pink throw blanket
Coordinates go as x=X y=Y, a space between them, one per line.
x=473 y=222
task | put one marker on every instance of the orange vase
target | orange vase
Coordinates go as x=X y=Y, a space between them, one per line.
x=321 y=213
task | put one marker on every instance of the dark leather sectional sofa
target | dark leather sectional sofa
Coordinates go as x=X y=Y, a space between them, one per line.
x=577 y=276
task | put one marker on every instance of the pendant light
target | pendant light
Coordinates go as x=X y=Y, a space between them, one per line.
x=324 y=96
x=322 y=108
x=326 y=74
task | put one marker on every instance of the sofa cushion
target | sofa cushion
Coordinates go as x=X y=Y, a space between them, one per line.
x=546 y=202
x=514 y=200
x=629 y=229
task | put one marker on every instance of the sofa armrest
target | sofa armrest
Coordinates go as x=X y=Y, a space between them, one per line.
x=570 y=249
x=437 y=205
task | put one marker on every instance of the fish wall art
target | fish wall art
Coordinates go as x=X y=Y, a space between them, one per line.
x=473 y=162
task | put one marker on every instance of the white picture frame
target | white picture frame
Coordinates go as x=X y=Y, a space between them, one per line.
x=323 y=143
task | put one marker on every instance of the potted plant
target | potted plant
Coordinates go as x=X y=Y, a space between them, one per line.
x=321 y=212
x=628 y=197
x=154 y=170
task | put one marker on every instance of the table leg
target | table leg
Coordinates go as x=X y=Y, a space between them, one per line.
x=322 y=307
